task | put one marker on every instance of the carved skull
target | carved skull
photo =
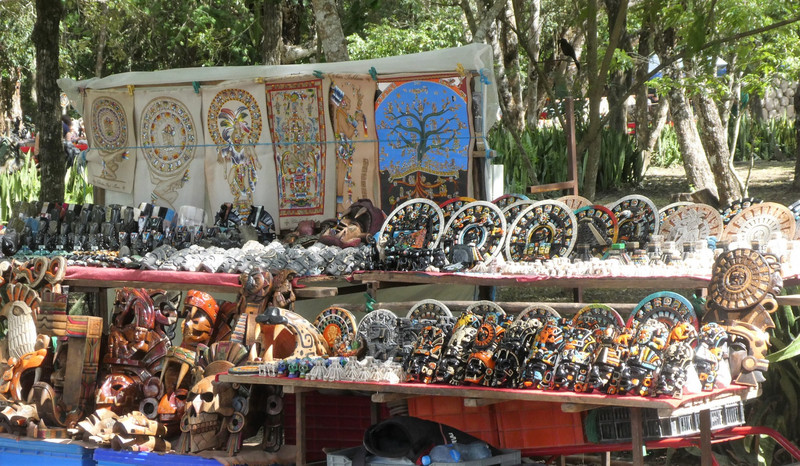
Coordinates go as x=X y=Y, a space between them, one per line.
x=210 y=407
x=201 y=309
x=119 y=393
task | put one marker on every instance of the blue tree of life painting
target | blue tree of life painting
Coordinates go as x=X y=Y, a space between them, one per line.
x=424 y=142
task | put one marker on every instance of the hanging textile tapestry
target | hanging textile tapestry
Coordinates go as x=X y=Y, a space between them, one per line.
x=351 y=101
x=424 y=139
x=109 y=129
x=239 y=165
x=296 y=118
x=169 y=137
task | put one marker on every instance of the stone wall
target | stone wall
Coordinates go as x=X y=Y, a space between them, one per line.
x=778 y=100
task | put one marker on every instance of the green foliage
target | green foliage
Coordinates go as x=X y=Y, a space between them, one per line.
x=431 y=29
x=22 y=185
x=546 y=148
x=777 y=406
x=668 y=151
x=773 y=139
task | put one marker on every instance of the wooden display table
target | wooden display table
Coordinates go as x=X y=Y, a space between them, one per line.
x=478 y=396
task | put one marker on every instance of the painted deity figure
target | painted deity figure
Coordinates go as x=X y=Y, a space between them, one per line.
x=346 y=125
x=240 y=151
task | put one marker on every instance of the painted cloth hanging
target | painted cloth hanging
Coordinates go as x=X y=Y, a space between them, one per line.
x=352 y=103
x=169 y=173
x=239 y=165
x=111 y=160
x=296 y=114
x=424 y=138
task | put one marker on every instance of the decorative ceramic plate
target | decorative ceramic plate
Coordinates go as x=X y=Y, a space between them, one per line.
x=479 y=223
x=507 y=199
x=664 y=306
x=637 y=217
x=415 y=223
x=575 y=202
x=597 y=316
x=692 y=223
x=511 y=211
x=378 y=327
x=737 y=206
x=759 y=221
x=337 y=325
x=490 y=311
x=429 y=309
x=450 y=206
x=740 y=278
x=544 y=230
x=597 y=227
x=541 y=312
x=795 y=208
x=670 y=209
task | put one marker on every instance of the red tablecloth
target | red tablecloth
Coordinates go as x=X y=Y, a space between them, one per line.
x=153 y=276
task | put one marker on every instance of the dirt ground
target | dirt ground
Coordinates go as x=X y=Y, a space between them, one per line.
x=769 y=181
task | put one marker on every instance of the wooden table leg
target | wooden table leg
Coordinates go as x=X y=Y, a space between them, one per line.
x=637 y=437
x=706 y=456
x=300 y=426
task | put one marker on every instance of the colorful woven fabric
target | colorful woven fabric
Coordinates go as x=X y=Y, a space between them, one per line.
x=425 y=139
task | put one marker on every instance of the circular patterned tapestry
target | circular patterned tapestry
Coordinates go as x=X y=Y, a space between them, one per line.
x=109 y=125
x=759 y=221
x=637 y=217
x=542 y=231
x=478 y=223
x=230 y=110
x=416 y=223
x=692 y=223
x=168 y=136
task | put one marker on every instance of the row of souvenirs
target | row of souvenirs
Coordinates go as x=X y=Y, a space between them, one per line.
x=136 y=389
x=459 y=234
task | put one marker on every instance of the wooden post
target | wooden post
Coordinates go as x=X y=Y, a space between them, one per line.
x=706 y=456
x=637 y=437
x=300 y=426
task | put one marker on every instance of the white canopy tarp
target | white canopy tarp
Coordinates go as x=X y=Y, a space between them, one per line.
x=473 y=57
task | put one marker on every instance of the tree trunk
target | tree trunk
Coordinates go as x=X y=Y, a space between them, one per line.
x=329 y=28
x=648 y=144
x=714 y=137
x=45 y=38
x=527 y=15
x=620 y=80
x=272 y=27
x=698 y=172
x=796 y=183
x=102 y=39
x=595 y=93
x=509 y=45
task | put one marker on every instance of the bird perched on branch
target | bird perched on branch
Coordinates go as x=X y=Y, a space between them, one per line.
x=566 y=49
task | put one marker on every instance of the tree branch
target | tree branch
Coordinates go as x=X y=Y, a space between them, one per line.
x=488 y=19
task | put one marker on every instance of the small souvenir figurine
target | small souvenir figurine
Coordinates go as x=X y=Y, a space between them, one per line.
x=677 y=360
x=453 y=363
x=646 y=358
x=510 y=356
x=538 y=370
x=609 y=359
x=421 y=363
x=575 y=361
x=712 y=347
x=481 y=363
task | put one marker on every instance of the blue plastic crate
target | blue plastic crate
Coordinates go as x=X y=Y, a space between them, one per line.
x=39 y=452
x=107 y=457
